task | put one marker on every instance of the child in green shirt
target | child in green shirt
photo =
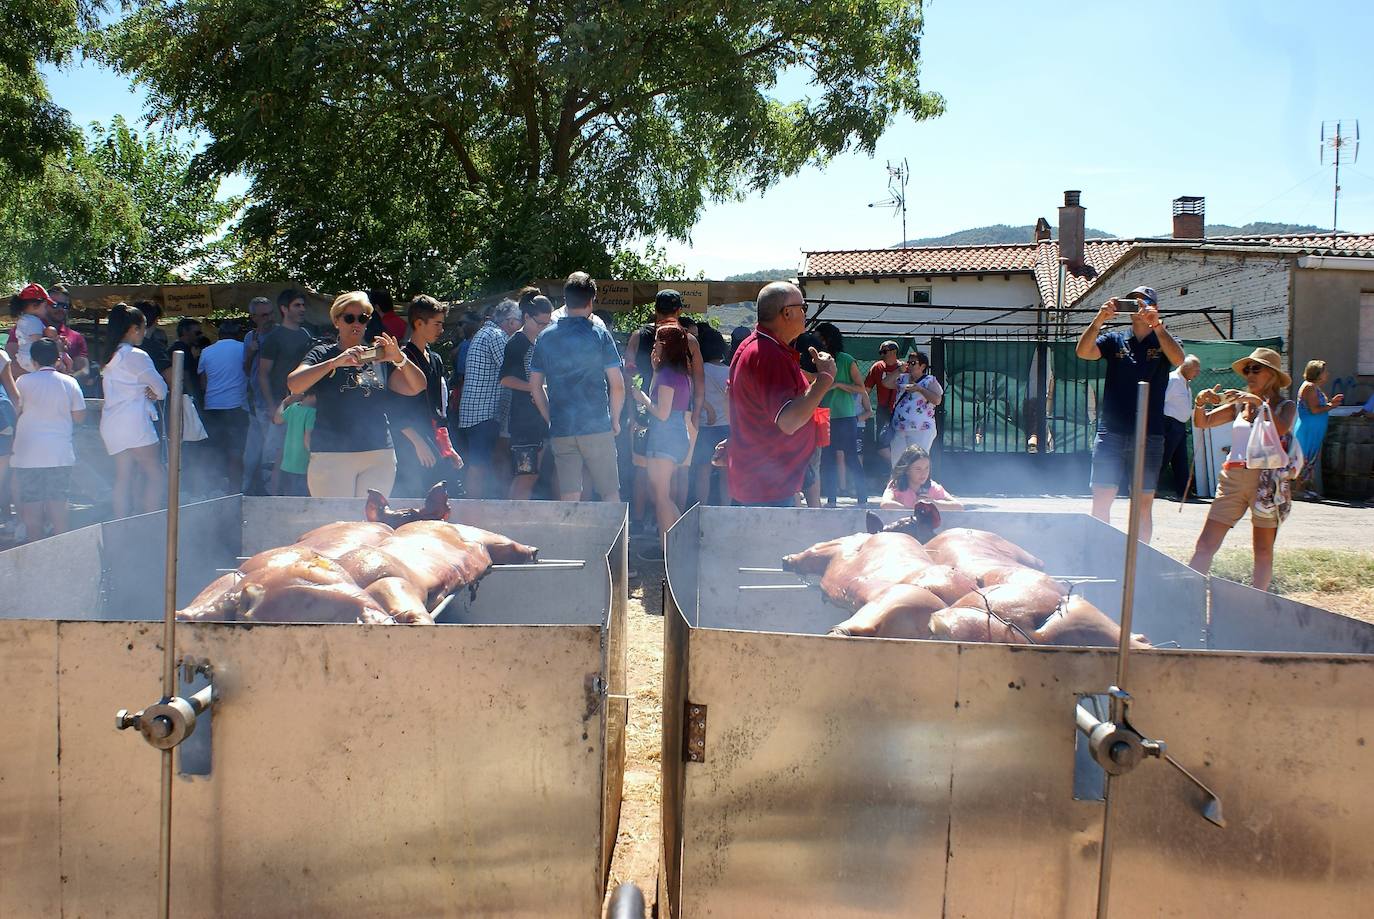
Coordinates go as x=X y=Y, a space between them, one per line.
x=297 y=412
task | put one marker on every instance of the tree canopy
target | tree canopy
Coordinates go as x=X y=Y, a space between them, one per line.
x=34 y=33
x=457 y=144
x=115 y=208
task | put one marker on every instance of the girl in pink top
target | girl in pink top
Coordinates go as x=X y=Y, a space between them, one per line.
x=911 y=482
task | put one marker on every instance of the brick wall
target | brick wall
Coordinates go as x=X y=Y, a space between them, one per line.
x=1255 y=286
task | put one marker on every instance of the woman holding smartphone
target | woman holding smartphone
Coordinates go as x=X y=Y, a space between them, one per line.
x=350 y=448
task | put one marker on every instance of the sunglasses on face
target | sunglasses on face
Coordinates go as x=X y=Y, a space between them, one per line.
x=1249 y=369
x=351 y=318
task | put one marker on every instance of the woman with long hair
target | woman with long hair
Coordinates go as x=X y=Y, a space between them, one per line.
x=133 y=389
x=1310 y=430
x=845 y=418
x=1239 y=487
x=667 y=402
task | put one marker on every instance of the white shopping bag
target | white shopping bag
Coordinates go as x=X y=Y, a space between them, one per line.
x=1265 y=449
x=192 y=429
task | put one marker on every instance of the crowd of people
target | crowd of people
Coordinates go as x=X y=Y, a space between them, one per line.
x=540 y=402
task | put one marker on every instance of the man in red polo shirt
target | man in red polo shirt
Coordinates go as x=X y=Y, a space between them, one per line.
x=772 y=408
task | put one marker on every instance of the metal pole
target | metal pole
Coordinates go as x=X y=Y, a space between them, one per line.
x=169 y=651
x=1142 y=401
x=1336 y=191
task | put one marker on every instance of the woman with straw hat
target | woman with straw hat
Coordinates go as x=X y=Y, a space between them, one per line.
x=1239 y=485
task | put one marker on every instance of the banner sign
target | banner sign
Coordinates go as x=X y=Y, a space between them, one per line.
x=695 y=294
x=616 y=296
x=186 y=301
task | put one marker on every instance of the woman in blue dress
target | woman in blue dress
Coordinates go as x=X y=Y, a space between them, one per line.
x=1310 y=430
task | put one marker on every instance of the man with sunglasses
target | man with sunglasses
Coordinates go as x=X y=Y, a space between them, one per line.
x=772 y=407
x=73 y=342
x=529 y=432
x=1145 y=352
x=882 y=376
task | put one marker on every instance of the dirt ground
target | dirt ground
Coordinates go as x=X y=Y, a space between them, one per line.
x=1327 y=525
x=636 y=848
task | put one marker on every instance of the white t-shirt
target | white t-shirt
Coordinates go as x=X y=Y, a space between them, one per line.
x=563 y=311
x=1178 y=398
x=226 y=385
x=43 y=434
x=27 y=330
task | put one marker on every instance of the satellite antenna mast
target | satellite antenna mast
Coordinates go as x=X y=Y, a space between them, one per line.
x=897 y=177
x=1339 y=138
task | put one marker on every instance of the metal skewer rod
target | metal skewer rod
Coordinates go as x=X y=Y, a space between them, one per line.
x=1118 y=713
x=169 y=649
x=775 y=586
x=443 y=605
x=561 y=565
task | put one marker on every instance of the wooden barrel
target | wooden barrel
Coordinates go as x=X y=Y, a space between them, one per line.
x=1348 y=458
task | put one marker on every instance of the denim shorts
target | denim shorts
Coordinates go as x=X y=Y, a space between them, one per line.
x=668 y=439
x=1112 y=461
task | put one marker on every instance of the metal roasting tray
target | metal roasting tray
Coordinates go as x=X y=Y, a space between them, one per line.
x=464 y=769
x=806 y=775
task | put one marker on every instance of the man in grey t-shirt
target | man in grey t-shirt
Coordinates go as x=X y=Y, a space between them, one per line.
x=282 y=350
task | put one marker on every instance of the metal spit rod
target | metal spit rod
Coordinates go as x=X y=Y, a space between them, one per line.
x=1142 y=401
x=169 y=650
x=1118 y=697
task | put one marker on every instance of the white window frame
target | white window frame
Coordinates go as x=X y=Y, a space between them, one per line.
x=911 y=293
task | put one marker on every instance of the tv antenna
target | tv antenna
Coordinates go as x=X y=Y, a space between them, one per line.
x=897 y=177
x=1339 y=139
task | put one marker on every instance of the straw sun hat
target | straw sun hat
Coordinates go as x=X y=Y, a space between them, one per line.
x=1269 y=358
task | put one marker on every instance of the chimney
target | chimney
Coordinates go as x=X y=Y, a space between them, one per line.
x=1071 y=231
x=1042 y=230
x=1189 y=214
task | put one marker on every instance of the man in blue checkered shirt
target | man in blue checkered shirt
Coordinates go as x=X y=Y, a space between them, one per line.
x=484 y=399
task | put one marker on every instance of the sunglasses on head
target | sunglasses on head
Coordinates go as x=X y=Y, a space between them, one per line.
x=351 y=318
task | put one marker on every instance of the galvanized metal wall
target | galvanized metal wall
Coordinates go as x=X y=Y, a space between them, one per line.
x=852 y=777
x=864 y=777
x=357 y=771
x=381 y=771
x=1245 y=619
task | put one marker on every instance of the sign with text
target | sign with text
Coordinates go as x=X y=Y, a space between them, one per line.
x=186 y=301
x=695 y=294
x=616 y=296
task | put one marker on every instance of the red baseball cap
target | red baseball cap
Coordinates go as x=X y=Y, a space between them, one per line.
x=35 y=292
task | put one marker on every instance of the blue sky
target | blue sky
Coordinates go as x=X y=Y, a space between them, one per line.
x=1134 y=104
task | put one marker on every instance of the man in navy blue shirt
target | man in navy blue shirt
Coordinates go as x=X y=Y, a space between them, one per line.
x=580 y=365
x=1146 y=352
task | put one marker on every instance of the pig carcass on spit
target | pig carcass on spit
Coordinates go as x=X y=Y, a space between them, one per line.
x=903 y=581
x=364 y=571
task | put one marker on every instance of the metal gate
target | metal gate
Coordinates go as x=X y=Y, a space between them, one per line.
x=1019 y=412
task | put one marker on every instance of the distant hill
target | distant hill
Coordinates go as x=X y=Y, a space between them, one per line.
x=767 y=274
x=1002 y=234
x=1262 y=229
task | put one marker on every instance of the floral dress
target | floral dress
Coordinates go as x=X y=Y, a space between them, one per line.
x=913 y=418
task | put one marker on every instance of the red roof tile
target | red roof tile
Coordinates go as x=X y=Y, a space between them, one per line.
x=1042 y=258
x=1098 y=255
x=867 y=263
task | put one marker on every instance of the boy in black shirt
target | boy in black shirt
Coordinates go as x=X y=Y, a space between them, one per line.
x=528 y=430
x=423 y=456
